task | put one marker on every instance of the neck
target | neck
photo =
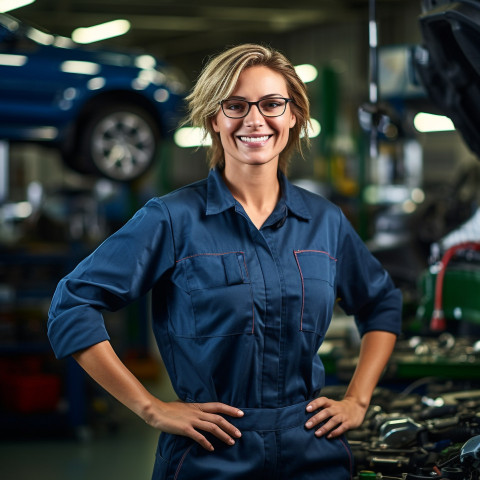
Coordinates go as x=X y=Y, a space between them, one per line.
x=253 y=185
x=256 y=188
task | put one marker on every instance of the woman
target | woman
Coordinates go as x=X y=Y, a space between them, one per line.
x=245 y=270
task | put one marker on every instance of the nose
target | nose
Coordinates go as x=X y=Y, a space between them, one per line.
x=254 y=117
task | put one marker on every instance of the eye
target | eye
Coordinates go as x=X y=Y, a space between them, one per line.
x=234 y=105
x=272 y=104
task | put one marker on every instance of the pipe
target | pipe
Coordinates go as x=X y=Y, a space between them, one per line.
x=438 y=322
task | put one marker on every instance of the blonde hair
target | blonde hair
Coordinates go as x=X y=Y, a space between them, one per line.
x=218 y=80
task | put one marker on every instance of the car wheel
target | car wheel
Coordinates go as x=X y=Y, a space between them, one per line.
x=119 y=142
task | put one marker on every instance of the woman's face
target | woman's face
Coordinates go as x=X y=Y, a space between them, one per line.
x=255 y=139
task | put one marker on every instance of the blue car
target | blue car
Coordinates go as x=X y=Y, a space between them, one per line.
x=106 y=111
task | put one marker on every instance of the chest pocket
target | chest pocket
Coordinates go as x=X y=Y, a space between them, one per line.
x=220 y=292
x=317 y=277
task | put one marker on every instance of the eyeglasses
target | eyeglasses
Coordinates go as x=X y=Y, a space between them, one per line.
x=268 y=107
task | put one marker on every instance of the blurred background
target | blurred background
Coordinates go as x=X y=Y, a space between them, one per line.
x=91 y=96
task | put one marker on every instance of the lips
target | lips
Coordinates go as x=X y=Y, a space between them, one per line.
x=254 y=139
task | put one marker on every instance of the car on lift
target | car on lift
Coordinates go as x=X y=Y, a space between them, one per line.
x=106 y=111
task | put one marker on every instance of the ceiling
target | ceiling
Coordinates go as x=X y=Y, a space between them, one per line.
x=188 y=28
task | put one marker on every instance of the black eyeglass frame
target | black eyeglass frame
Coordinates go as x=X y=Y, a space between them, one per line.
x=287 y=101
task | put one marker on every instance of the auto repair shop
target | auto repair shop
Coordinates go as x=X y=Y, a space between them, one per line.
x=91 y=129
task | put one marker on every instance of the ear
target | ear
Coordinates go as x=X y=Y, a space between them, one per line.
x=215 y=124
x=293 y=120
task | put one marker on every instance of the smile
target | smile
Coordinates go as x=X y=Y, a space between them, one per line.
x=255 y=139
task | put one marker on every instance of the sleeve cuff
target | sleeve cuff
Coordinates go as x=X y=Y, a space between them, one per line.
x=76 y=329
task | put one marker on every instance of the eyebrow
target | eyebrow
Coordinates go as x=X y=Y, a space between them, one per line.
x=269 y=95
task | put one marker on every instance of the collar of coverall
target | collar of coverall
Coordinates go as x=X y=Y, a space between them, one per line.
x=219 y=197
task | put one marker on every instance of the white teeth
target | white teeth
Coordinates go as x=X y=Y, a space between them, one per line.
x=254 y=139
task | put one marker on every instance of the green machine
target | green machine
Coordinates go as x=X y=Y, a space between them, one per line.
x=450 y=289
x=444 y=340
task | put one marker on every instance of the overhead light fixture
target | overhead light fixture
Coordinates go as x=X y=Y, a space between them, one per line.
x=427 y=122
x=314 y=129
x=80 y=67
x=102 y=31
x=145 y=62
x=40 y=37
x=7 y=5
x=188 y=137
x=306 y=72
x=96 y=83
x=63 y=42
x=43 y=133
x=161 y=95
x=12 y=60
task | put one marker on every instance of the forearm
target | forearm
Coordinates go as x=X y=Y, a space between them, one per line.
x=375 y=350
x=179 y=418
x=102 y=363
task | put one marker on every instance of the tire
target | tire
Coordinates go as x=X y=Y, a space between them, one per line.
x=119 y=142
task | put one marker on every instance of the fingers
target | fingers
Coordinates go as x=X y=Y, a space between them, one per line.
x=331 y=429
x=224 y=434
x=335 y=426
x=319 y=402
x=218 y=426
x=332 y=420
x=200 y=439
x=217 y=407
x=194 y=434
x=322 y=404
x=209 y=420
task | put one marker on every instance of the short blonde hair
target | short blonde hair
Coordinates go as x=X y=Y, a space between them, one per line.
x=218 y=80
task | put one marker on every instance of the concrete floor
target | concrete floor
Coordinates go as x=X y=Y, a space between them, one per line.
x=127 y=453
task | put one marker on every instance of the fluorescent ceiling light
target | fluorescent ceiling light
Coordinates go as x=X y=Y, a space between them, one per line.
x=96 y=83
x=101 y=31
x=161 y=95
x=85 y=68
x=7 y=5
x=427 y=122
x=188 y=137
x=314 y=128
x=307 y=72
x=40 y=37
x=12 y=60
x=145 y=61
x=63 y=42
x=391 y=194
x=43 y=133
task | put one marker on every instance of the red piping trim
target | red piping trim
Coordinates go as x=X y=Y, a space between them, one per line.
x=349 y=456
x=303 y=288
x=316 y=251
x=181 y=462
x=302 y=279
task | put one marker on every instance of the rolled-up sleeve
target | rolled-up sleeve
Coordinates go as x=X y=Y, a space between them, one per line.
x=364 y=288
x=123 y=268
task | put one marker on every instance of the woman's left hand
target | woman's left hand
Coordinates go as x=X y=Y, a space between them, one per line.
x=335 y=417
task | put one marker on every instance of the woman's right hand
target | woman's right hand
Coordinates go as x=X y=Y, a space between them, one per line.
x=191 y=419
x=187 y=419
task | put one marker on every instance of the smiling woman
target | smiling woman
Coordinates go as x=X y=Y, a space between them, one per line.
x=245 y=270
x=258 y=135
x=219 y=80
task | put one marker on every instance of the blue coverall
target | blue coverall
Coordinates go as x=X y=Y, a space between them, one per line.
x=239 y=315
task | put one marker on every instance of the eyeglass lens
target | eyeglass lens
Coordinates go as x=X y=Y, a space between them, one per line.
x=270 y=107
